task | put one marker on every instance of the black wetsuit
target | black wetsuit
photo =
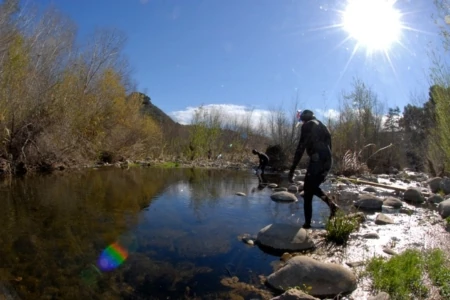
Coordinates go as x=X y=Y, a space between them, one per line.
x=263 y=161
x=316 y=140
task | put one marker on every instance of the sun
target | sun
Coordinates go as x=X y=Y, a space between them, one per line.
x=375 y=24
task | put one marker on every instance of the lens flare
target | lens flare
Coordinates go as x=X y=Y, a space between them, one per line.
x=112 y=257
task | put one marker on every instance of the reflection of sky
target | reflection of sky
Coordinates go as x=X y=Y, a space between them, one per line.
x=179 y=189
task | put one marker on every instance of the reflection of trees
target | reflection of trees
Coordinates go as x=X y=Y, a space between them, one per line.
x=55 y=227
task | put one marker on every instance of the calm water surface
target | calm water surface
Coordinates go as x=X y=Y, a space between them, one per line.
x=180 y=228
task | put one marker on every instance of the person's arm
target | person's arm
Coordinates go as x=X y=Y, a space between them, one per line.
x=304 y=139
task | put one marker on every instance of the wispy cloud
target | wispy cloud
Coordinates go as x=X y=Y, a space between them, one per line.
x=229 y=113
x=143 y=1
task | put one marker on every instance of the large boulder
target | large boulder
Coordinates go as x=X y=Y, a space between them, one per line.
x=322 y=279
x=285 y=237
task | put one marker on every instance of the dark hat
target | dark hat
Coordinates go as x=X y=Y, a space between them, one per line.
x=306 y=115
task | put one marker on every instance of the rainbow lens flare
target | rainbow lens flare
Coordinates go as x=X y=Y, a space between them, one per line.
x=112 y=257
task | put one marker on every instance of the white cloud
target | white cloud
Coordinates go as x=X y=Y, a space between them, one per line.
x=229 y=113
x=328 y=114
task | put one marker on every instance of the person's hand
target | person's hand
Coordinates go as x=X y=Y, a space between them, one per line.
x=291 y=177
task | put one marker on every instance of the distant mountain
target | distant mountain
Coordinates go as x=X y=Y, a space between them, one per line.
x=149 y=108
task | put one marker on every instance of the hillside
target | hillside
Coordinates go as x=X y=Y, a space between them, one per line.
x=155 y=112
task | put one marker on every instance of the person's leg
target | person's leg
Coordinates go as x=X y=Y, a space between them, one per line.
x=312 y=182
x=308 y=193
x=319 y=193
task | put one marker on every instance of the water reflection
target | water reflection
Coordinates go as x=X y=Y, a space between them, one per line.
x=179 y=228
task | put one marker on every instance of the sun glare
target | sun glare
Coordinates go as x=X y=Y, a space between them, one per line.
x=375 y=24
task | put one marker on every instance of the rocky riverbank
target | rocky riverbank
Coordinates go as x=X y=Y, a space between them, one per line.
x=404 y=211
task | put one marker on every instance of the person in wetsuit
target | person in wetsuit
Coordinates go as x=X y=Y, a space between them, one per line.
x=316 y=140
x=263 y=160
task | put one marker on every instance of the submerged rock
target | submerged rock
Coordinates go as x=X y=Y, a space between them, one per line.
x=285 y=237
x=321 y=279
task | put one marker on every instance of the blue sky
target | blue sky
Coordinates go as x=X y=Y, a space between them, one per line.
x=256 y=54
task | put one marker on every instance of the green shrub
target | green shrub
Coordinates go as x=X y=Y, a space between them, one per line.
x=339 y=228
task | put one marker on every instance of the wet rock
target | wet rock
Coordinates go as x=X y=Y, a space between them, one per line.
x=272 y=185
x=380 y=296
x=371 y=235
x=293 y=189
x=436 y=198
x=323 y=279
x=413 y=195
x=300 y=178
x=370 y=189
x=294 y=294
x=435 y=184
x=382 y=219
x=366 y=201
x=444 y=208
x=285 y=237
x=241 y=194
x=445 y=185
x=283 y=197
x=393 y=202
x=280 y=189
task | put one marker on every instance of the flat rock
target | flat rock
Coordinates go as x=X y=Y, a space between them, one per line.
x=283 y=197
x=286 y=237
